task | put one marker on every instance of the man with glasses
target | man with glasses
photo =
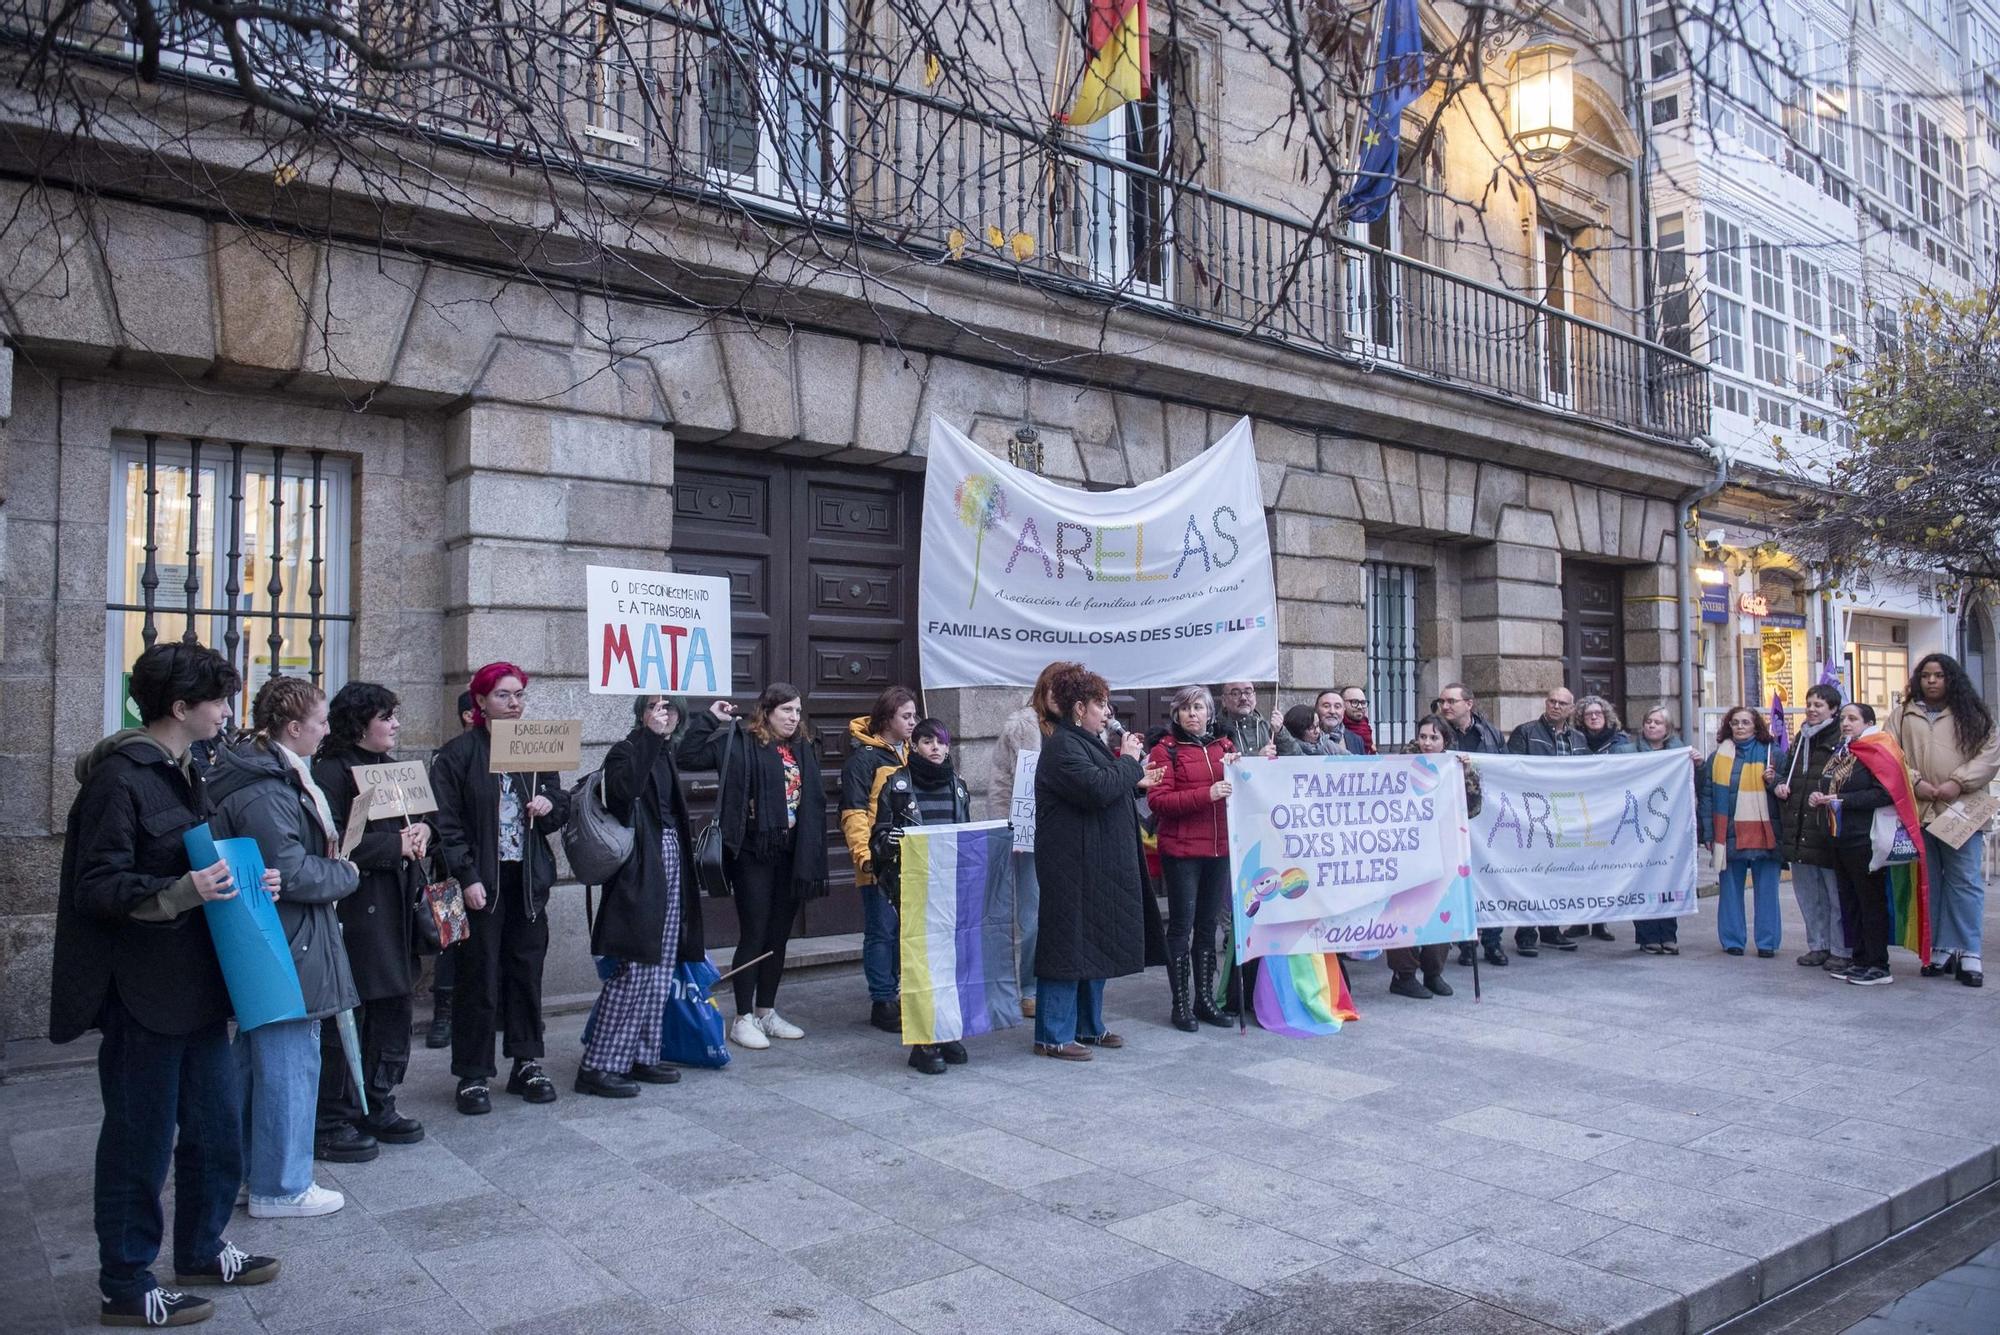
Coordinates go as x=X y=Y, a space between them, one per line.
x=1354 y=701
x=1252 y=733
x=1549 y=735
x=1472 y=734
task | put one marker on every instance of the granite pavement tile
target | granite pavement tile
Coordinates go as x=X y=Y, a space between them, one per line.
x=454 y=1223
x=794 y=1301
x=1544 y=1225
x=1716 y=1284
x=1178 y=1299
x=404 y=1176
x=608 y=1218
x=978 y=1301
x=1548 y=1288
x=507 y=1279
x=436 y=1316
x=788 y=1211
x=1100 y=1196
x=1550 y=1135
x=1364 y=1298
x=1791 y=1247
x=1212 y=1239
x=612 y=1316
x=890 y=1257
x=1048 y=1251
x=335 y=1279
x=1004 y=1159
x=1669 y=1163
x=1475 y=1318
x=1860 y=1219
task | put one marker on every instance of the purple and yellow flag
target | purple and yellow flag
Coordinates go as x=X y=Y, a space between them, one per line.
x=957 y=909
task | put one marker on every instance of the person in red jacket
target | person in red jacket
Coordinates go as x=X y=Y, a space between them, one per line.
x=1188 y=803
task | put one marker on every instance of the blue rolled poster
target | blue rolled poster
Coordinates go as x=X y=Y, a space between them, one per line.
x=249 y=940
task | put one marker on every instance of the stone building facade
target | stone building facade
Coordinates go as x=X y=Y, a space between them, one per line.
x=466 y=443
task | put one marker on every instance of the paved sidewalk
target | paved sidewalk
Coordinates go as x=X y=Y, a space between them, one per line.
x=1607 y=1141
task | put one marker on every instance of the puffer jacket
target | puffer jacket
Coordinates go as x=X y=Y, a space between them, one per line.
x=1802 y=830
x=867 y=768
x=259 y=795
x=1087 y=858
x=1191 y=823
x=1537 y=737
x=1930 y=744
x=128 y=917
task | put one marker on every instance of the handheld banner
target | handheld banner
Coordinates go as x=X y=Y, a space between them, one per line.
x=1158 y=584
x=1578 y=839
x=1022 y=813
x=534 y=745
x=250 y=942
x=653 y=632
x=1345 y=854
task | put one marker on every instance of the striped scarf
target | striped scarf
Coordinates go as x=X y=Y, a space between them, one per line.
x=1750 y=810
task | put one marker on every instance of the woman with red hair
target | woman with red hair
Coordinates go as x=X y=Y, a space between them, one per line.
x=493 y=836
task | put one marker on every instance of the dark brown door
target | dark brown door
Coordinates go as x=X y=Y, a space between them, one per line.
x=821 y=564
x=1594 y=631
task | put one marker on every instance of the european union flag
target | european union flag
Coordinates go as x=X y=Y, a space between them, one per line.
x=1399 y=79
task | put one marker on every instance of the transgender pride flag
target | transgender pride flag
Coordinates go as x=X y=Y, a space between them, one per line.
x=957 y=907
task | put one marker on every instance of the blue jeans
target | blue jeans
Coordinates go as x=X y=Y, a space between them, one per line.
x=280 y=1066
x=1958 y=892
x=1027 y=913
x=1657 y=931
x=1065 y=1010
x=1729 y=912
x=1818 y=891
x=152 y=1085
x=880 y=957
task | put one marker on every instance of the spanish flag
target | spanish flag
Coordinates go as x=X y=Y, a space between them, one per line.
x=1120 y=40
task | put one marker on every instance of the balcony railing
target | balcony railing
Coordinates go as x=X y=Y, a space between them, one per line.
x=656 y=98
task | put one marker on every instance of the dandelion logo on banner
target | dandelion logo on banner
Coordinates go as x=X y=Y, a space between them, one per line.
x=982 y=503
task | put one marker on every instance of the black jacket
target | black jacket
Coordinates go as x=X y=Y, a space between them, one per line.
x=1537 y=738
x=468 y=816
x=642 y=789
x=258 y=795
x=377 y=921
x=1803 y=835
x=896 y=809
x=1482 y=738
x=1087 y=860
x=1860 y=793
x=701 y=749
x=122 y=856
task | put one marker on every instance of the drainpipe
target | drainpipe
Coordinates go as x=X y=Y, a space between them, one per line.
x=1684 y=560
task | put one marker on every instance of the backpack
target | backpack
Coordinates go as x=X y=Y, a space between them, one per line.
x=596 y=842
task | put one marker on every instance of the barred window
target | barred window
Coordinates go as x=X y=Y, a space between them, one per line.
x=237 y=547
x=1393 y=664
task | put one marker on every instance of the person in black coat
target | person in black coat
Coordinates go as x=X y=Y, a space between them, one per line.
x=134 y=959
x=1087 y=854
x=773 y=812
x=650 y=919
x=493 y=837
x=1847 y=798
x=377 y=924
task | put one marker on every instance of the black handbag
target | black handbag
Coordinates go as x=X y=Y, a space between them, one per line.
x=708 y=870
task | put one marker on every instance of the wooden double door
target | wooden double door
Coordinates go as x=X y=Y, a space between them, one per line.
x=822 y=569
x=1594 y=633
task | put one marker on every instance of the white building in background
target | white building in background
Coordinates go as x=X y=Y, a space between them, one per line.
x=1814 y=165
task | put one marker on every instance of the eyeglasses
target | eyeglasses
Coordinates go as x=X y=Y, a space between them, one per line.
x=1356 y=700
x=507 y=697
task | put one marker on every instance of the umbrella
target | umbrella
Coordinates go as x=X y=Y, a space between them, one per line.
x=350 y=1043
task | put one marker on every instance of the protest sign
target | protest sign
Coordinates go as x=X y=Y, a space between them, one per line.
x=1021 y=815
x=535 y=745
x=384 y=792
x=1579 y=839
x=1158 y=584
x=653 y=632
x=1343 y=854
x=1963 y=819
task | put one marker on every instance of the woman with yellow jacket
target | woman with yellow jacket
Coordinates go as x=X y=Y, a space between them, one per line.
x=1948 y=737
x=880 y=745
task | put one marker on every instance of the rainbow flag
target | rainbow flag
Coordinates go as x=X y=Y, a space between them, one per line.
x=957 y=909
x=1118 y=35
x=1299 y=996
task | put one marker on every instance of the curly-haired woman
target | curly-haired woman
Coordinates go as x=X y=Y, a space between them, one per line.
x=1947 y=734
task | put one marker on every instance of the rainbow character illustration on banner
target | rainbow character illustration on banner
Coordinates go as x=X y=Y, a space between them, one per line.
x=1262 y=883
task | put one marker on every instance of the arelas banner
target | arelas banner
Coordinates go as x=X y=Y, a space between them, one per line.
x=1342 y=854
x=1576 y=839
x=1155 y=585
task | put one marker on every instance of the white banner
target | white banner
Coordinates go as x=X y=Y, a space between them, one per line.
x=1578 y=839
x=1159 y=584
x=653 y=632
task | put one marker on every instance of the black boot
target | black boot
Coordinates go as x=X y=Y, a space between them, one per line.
x=1204 y=989
x=439 y=1033
x=1180 y=979
x=1467 y=952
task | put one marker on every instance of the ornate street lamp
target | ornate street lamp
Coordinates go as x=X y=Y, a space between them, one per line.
x=1541 y=107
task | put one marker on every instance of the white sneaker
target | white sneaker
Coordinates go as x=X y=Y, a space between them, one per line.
x=314 y=1200
x=747 y=1033
x=777 y=1026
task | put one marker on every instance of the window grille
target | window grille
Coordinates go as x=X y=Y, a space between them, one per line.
x=1393 y=663
x=238 y=547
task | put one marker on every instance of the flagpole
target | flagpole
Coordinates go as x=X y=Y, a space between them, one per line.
x=1351 y=148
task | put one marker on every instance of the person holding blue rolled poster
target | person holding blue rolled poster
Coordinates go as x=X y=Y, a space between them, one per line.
x=133 y=958
x=264 y=790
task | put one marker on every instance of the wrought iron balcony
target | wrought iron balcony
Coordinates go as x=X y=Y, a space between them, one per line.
x=771 y=125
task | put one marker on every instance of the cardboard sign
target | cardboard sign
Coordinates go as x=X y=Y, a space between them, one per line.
x=1022 y=817
x=383 y=792
x=1963 y=819
x=535 y=745
x=653 y=632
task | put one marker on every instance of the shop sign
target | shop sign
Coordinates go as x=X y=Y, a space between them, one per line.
x=1785 y=621
x=1715 y=603
x=1753 y=605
